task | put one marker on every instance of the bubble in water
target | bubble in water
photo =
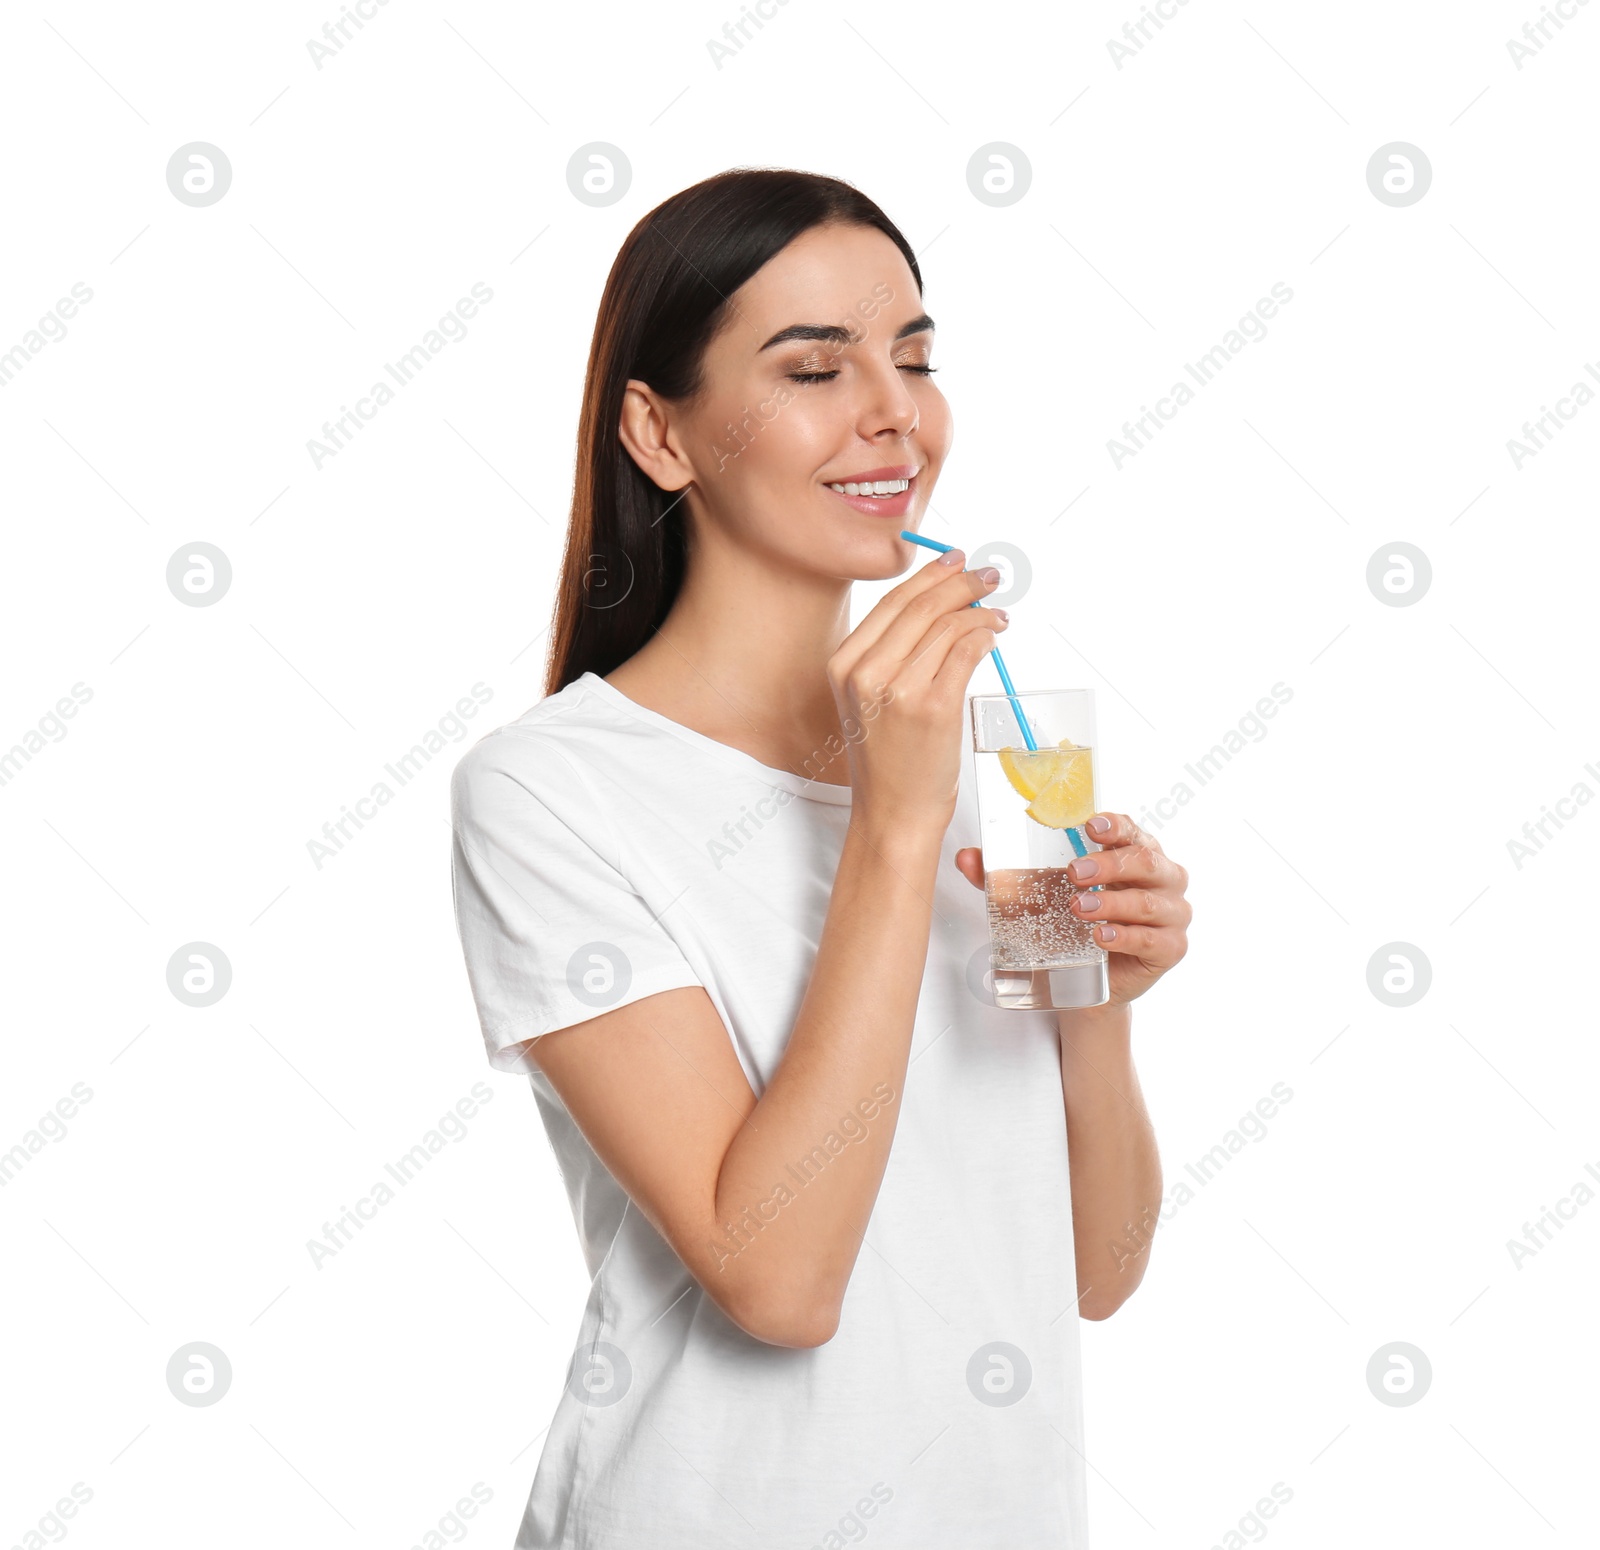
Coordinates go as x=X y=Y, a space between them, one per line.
x=1031 y=922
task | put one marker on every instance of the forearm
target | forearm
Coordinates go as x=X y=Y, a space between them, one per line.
x=1115 y=1165
x=817 y=1142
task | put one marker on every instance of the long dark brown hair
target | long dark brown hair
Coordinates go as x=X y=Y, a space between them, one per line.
x=665 y=299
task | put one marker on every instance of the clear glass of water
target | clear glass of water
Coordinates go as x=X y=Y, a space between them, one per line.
x=1031 y=805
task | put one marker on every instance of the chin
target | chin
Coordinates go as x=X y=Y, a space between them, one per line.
x=882 y=556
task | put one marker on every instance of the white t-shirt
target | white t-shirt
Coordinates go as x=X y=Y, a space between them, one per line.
x=604 y=853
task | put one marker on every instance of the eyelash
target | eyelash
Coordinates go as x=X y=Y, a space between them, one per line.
x=828 y=376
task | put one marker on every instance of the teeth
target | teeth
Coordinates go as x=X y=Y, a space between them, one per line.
x=877 y=487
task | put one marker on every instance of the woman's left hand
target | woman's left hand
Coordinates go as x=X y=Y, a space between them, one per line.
x=1140 y=915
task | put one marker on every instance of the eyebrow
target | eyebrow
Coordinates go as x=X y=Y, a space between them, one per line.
x=838 y=334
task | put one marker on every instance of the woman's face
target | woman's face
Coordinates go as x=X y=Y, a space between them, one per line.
x=818 y=379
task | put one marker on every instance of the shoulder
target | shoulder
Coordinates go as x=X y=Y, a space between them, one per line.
x=540 y=756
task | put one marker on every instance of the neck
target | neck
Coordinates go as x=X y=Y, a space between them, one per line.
x=743 y=654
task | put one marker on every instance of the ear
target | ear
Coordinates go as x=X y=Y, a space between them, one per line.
x=646 y=430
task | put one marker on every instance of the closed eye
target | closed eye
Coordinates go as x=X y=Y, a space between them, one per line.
x=828 y=376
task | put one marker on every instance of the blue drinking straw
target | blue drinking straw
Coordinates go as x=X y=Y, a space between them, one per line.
x=1005 y=678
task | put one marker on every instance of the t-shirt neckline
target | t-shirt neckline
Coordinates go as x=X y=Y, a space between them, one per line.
x=816 y=790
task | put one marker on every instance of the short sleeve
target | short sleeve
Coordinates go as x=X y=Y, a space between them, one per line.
x=552 y=931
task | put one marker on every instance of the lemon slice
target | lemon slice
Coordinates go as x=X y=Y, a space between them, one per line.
x=1030 y=772
x=1068 y=799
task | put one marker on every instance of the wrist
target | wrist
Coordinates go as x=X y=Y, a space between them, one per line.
x=899 y=821
x=1096 y=1054
x=1112 y=1021
x=899 y=841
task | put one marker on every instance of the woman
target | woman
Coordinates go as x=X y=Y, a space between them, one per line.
x=708 y=896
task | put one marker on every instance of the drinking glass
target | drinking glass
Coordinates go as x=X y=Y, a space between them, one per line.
x=1030 y=805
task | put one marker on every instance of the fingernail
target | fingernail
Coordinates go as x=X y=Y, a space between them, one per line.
x=1108 y=933
x=1001 y=615
x=1099 y=825
x=989 y=574
x=1088 y=901
x=1082 y=870
x=951 y=557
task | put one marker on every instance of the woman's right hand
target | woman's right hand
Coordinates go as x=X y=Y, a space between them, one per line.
x=900 y=683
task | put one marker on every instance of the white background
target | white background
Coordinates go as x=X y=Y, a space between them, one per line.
x=368 y=596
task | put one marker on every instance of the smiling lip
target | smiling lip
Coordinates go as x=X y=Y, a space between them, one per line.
x=889 y=506
x=899 y=471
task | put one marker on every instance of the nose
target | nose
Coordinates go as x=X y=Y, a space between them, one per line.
x=886 y=404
